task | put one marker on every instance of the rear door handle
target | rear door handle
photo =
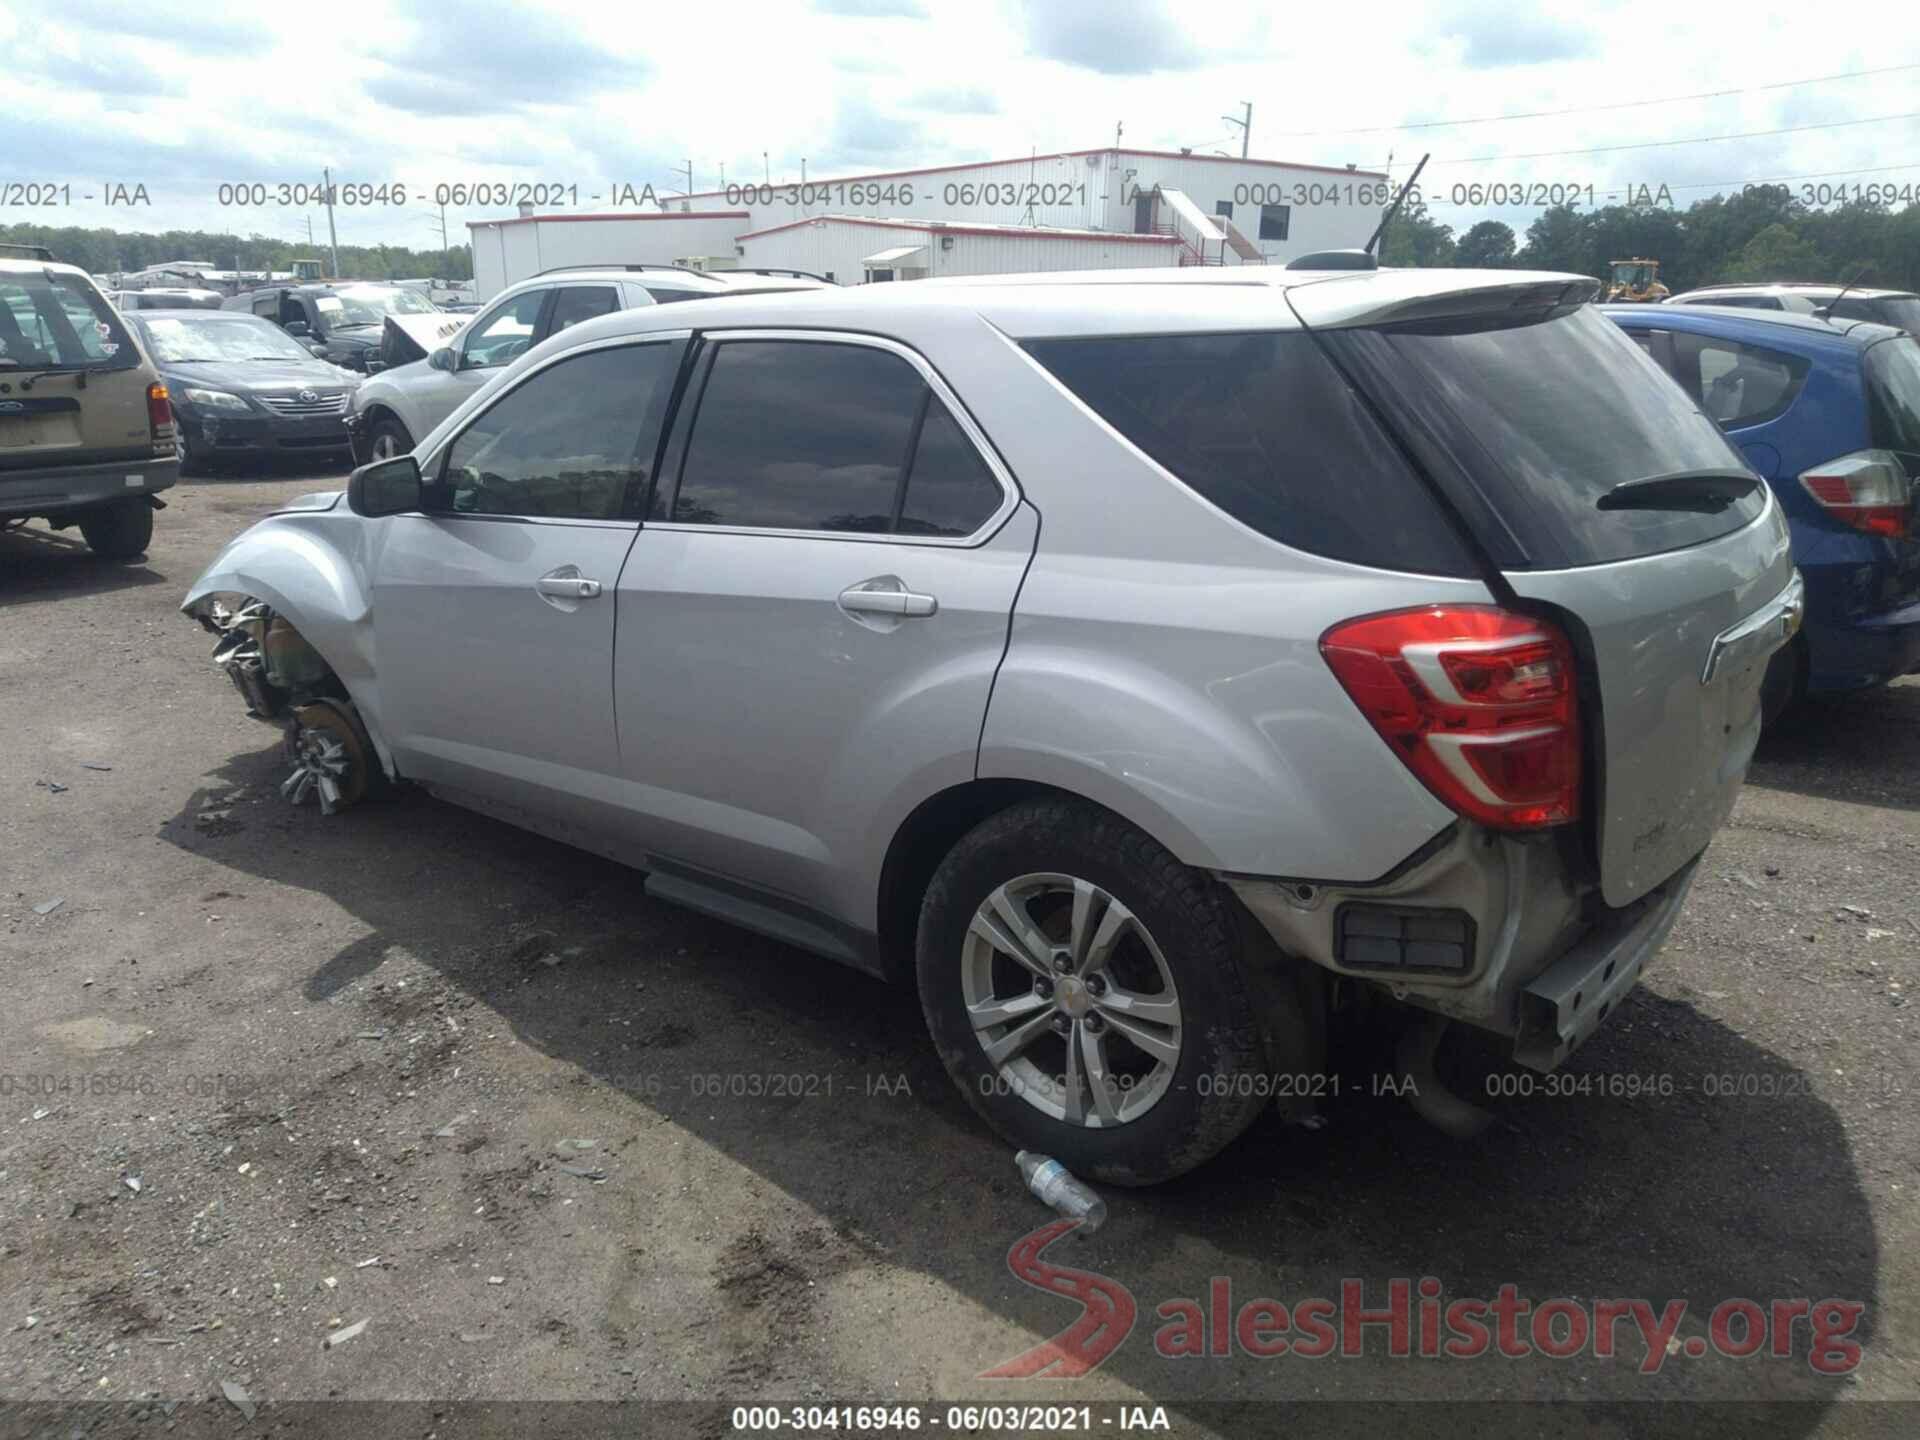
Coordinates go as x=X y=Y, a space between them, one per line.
x=886 y=595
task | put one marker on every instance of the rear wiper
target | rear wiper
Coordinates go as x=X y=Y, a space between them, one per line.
x=1708 y=490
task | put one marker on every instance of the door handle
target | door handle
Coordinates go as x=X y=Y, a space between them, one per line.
x=568 y=587
x=887 y=595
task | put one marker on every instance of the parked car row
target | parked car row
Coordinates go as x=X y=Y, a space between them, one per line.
x=1144 y=665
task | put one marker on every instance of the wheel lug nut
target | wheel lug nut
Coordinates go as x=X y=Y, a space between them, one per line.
x=1062 y=961
x=1095 y=1024
x=1043 y=988
x=1061 y=1024
x=1096 y=984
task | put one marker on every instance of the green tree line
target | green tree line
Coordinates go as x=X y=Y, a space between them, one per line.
x=105 y=252
x=1759 y=234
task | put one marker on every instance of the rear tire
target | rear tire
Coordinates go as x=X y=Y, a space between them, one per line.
x=1783 y=689
x=120 y=530
x=1076 y=873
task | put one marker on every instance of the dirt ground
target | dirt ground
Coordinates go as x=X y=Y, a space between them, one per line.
x=551 y=1140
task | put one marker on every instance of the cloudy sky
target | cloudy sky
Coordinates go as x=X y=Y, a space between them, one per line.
x=181 y=97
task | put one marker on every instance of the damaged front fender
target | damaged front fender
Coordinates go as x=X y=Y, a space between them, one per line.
x=288 y=600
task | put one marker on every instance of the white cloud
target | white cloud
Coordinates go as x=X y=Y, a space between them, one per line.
x=187 y=96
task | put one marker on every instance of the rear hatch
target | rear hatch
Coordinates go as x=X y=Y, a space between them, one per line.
x=1893 y=418
x=1604 y=500
x=77 y=384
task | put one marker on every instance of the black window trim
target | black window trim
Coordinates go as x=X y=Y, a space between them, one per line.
x=710 y=342
x=434 y=471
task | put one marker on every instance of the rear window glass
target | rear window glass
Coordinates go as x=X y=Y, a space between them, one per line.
x=1893 y=393
x=1546 y=416
x=1263 y=426
x=53 y=321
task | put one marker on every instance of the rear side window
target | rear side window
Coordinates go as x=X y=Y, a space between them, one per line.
x=52 y=321
x=581 y=302
x=568 y=442
x=804 y=435
x=1893 y=398
x=1537 y=415
x=1263 y=426
x=1738 y=385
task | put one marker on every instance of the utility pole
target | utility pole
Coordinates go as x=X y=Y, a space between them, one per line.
x=723 y=175
x=333 y=237
x=1246 y=127
x=1118 y=126
x=766 y=167
x=689 y=169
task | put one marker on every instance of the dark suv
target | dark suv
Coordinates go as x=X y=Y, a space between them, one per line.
x=342 y=322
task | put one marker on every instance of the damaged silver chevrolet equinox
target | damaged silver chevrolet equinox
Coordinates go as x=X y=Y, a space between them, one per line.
x=1125 y=658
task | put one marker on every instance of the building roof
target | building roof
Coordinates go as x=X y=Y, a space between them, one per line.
x=963 y=227
x=872 y=175
x=615 y=215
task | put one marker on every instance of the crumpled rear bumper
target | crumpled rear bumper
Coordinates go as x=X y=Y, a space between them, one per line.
x=1494 y=932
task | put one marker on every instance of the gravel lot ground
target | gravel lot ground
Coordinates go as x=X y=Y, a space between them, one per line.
x=552 y=1140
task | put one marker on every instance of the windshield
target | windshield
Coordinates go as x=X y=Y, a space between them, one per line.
x=1893 y=389
x=184 y=339
x=1539 y=420
x=370 y=305
x=52 y=321
x=1635 y=275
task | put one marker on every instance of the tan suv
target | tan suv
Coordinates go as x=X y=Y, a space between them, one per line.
x=86 y=430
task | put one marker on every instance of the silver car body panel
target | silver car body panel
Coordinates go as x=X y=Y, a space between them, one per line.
x=1677 y=736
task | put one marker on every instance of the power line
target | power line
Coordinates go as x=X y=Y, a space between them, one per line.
x=1596 y=109
x=1662 y=144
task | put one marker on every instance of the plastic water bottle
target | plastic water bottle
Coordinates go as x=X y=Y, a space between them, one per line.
x=1056 y=1185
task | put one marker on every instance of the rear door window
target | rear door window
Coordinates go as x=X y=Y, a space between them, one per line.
x=810 y=435
x=1738 y=385
x=1532 y=416
x=581 y=302
x=1263 y=426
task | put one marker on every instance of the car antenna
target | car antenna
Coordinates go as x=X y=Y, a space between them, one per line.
x=1398 y=200
x=1825 y=312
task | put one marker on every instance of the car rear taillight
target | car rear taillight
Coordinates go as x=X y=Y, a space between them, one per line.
x=159 y=413
x=1868 y=490
x=1479 y=702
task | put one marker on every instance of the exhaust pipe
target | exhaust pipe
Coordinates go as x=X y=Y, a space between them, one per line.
x=1431 y=1099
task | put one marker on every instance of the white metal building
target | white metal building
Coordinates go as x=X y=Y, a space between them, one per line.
x=1217 y=210
x=853 y=251
x=508 y=251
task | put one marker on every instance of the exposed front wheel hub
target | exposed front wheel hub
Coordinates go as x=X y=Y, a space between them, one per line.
x=327 y=756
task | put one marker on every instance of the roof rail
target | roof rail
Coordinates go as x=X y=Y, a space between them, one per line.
x=562 y=269
x=773 y=270
x=31 y=252
x=1335 y=260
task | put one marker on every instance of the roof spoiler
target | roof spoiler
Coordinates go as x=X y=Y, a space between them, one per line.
x=1335 y=260
x=30 y=252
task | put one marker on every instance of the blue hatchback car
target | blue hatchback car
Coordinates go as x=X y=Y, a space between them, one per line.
x=1828 y=413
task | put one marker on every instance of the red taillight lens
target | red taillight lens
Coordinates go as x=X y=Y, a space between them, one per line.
x=1868 y=490
x=159 y=410
x=1479 y=702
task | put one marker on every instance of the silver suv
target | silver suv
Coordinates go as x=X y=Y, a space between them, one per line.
x=1145 y=665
